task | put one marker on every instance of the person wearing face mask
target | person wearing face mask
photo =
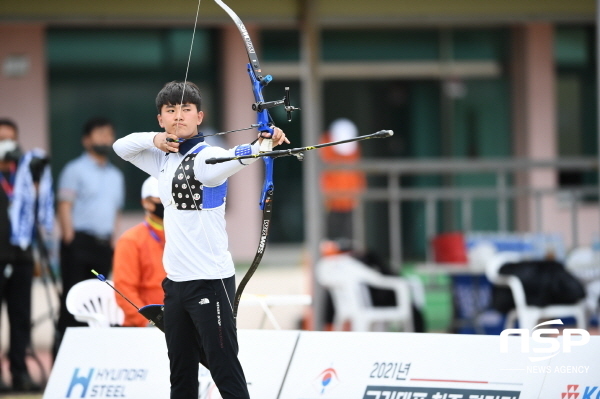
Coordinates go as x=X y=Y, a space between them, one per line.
x=137 y=266
x=91 y=192
x=16 y=261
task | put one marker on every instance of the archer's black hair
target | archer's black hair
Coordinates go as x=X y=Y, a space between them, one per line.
x=174 y=93
x=95 y=122
x=9 y=123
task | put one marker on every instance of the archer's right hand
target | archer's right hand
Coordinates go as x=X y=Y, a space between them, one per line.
x=161 y=142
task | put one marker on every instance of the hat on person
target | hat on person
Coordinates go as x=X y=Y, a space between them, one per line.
x=150 y=188
x=344 y=129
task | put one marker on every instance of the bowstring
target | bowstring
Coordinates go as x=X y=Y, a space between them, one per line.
x=183 y=169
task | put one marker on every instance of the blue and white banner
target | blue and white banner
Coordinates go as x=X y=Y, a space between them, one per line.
x=132 y=363
x=110 y=363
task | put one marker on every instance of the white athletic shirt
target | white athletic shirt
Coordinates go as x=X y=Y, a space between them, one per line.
x=196 y=241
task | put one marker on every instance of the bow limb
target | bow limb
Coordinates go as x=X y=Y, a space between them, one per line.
x=266 y=224
x=246 y=37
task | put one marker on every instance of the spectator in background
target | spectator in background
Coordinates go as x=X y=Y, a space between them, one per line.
x=341 y=186
x=90 y=194
x=25 y=190
x=137 y=267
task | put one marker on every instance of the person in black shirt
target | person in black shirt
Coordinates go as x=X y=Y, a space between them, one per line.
x=16 y=269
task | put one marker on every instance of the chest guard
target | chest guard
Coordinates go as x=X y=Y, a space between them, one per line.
x=189 y=193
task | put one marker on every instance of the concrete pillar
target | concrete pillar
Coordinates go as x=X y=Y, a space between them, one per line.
x=534 y=109
x=243 y=213
x=312 y=126
x=535 y=134
x=23 y=82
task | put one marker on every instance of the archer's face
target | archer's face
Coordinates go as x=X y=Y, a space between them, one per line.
x=180 y=120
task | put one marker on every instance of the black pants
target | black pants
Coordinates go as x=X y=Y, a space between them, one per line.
x=15 y=289
x=199 y=323
x=77 y=259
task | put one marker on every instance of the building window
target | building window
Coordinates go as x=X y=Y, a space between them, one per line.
x=575 y=57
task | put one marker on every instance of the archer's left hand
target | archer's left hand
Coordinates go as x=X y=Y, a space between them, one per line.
x=278 y=137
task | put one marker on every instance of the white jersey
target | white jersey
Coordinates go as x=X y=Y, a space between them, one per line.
x=196 y=241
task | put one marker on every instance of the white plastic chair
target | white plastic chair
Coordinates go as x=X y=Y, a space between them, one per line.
x=584 y=263
x=527 y=315
x=93 y=302
x=348 y=279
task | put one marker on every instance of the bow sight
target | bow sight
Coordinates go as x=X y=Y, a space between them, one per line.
x=259 y=106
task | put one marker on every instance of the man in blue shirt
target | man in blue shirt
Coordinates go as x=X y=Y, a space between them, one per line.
x=90 y=194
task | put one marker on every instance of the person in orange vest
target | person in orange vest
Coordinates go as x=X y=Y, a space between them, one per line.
x=137 y=264
x=341 y=187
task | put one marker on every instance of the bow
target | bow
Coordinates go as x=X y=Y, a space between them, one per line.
x=263 y=124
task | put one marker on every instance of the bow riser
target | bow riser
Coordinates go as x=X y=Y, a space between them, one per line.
x=262 y=117
x=263 y=122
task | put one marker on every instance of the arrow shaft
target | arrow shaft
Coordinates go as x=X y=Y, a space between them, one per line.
x=293 y=151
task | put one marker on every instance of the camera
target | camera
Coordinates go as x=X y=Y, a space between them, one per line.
x=36 y=166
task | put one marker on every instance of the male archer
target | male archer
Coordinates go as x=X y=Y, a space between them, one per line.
x=200 y=283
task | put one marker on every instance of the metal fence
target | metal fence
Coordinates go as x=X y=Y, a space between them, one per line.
x=504 y=169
